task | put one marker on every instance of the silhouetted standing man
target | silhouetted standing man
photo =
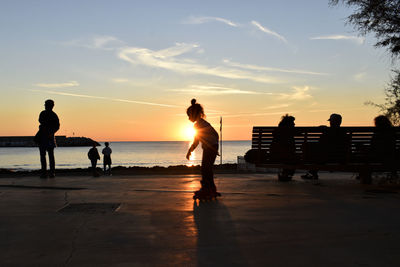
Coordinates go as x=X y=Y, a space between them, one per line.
x=107 y=157
x=49 y=125
x=93 y=155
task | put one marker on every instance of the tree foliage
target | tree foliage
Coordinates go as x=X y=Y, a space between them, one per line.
x=391 y=108
x=381 y=17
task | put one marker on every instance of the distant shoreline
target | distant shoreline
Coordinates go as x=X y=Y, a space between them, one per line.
x=120 y=170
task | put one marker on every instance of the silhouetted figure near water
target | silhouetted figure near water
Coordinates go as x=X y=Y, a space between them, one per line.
x=208 y=137
x=107 y=158
x=93 y=155
x=383 y=142
x=49 y=125
x=333 y=145
x=283 y=149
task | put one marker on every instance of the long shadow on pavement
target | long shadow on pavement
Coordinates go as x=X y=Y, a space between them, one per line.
x=217 y=243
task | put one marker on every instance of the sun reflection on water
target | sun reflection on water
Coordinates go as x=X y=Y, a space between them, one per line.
x=193 y=158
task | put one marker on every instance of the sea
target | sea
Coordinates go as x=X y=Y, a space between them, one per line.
x=127 y=154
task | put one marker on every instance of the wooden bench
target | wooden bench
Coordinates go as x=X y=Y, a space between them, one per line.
x=356 y=158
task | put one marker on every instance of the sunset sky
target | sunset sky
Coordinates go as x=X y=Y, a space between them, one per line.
x=127 y=70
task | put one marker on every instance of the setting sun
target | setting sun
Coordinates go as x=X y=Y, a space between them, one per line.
x=188 y=132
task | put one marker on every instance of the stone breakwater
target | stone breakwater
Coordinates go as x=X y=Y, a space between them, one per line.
x=62 y=141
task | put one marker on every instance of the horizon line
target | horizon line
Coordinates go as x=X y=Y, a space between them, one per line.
x=121 y=140
x=168 y=140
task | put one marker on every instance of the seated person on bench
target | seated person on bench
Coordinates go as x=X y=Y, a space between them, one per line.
x=383 y=143
x=333 y=145
x=283 y=149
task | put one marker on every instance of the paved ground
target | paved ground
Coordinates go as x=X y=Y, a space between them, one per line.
x=257 y=222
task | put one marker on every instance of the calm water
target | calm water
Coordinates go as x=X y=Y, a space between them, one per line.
x=126 y=154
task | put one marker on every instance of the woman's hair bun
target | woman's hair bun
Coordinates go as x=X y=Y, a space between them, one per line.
x=193 y=101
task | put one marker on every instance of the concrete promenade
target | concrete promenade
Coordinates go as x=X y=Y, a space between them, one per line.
x=153 y=221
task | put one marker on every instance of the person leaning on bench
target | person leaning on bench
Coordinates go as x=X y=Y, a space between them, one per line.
x=333 y=146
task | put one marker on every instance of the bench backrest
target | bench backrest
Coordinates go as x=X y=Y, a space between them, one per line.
x=359 y=136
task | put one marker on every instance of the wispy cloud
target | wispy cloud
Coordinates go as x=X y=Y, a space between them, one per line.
x=104 y=42
x=270 y=69
x=359 y=77
x=277 y=106
x=142 y=83
x=201 y=20
x=356 y=39
x=256 y=114
x=299 y=93
x=58 y=85
x=107 y=98
x=238 y=125
x=120 y=80
x=318 y=110
x=213 y=90
x=170 y=59
x=331 y=110
x=268 y=31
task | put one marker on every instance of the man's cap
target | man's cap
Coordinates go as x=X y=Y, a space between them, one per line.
x=335 y=116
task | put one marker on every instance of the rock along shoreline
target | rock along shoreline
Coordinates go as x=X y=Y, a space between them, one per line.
x=120 y=170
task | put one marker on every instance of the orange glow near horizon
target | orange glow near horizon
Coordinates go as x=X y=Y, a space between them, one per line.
x=81 y=117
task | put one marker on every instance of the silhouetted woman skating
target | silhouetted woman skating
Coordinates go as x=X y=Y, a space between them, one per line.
x=208 y=137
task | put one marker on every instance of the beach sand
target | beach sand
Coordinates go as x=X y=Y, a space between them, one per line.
x=152 y=220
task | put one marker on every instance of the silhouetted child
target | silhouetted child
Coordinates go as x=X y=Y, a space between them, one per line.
x=283 y=149
x=208 y=137
x=93 y=155
x=107 y=158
